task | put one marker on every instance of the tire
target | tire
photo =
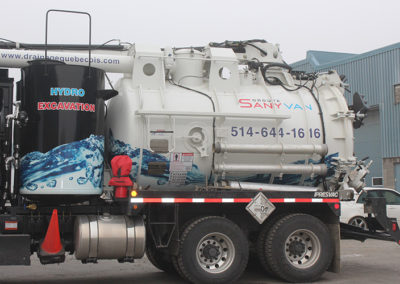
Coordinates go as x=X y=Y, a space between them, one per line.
x=261 y=241
x=177 y=268
x=298 y=248
x=359 y=222
x=212 y=250
x=175 y=258
x=159 y=259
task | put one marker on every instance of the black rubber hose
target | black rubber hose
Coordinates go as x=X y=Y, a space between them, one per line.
x=11 y=45
x=265 y=68
x=276 y=64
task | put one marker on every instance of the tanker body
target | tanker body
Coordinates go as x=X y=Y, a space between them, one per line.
x=202 y=117
x=198 y=157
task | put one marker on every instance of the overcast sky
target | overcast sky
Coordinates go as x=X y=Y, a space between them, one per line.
x=352 y=26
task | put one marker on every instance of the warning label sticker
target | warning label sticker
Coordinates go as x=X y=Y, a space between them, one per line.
x=177 y=178
x=180 y=164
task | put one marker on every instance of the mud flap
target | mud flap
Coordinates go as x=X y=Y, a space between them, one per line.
x=15 y=249
x=335 y=233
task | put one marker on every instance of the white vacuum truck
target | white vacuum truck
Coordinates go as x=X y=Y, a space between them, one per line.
x=198 y=156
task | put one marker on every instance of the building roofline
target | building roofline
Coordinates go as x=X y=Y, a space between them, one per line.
x=313 y=61
x=362 y=55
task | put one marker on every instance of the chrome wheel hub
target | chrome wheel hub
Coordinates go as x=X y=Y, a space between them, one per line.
x=215 y=252
x=302 y=248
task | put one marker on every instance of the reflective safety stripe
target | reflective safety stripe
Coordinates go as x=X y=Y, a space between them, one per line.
x=11 y=225
x=229 y=200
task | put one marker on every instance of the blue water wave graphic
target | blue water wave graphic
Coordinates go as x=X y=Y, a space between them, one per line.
x=118 y=147
x=195 y=176
x=78 y=164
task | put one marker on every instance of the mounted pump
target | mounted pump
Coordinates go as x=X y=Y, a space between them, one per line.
x=360 y=109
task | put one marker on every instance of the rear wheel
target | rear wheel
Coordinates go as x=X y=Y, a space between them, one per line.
x=212 y=249
x=261 y=241
x=298 y=248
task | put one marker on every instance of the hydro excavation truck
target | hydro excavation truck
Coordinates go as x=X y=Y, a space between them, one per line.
x=198 y=156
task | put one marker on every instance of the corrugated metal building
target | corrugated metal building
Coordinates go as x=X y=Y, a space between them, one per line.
x=375 y=74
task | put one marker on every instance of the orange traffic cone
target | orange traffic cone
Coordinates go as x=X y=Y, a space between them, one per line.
x=52 y=242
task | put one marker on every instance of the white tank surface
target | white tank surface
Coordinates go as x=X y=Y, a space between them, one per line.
x=232 y=111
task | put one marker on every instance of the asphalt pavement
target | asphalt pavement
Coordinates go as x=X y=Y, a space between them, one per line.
x=369 y=262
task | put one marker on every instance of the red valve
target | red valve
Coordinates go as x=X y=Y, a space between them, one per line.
x=121 y=167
